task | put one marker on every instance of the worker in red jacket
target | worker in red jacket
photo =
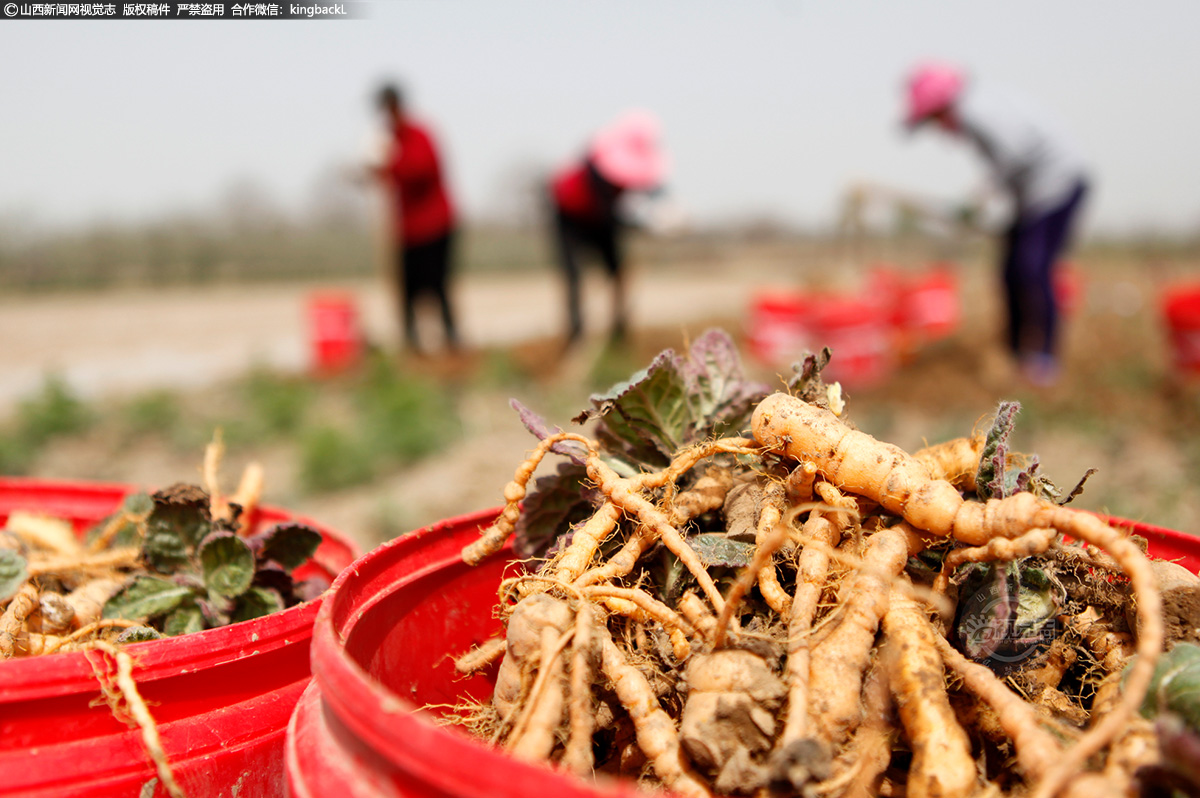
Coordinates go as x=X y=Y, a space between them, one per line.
x=585 y=195
x=422 y=216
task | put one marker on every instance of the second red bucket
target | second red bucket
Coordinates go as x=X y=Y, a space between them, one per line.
x=221 y=698
x=1181 y=310
x=336 y=334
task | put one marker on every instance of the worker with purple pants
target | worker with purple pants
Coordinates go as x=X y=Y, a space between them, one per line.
x=1046 y=180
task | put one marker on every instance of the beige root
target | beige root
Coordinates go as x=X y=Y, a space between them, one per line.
x=656 y=734
x=494 y=537
x=643 y=539
x=1112 y=649
x=586 y=542
x=126 y=690
x=41 y=531
x=248 y=495
x=644 y=608
x=707 y=494
x=693 y=608
x=870 y=751
x=88 y=600
x=85 y=631
x=902 y=485
x=53 y=616
x=102 y=562
x=481 y=656
x=812 y=570
x=12 y=622
x=840 y=660
x=799 y=484
x=577 y=755
x=1033 y=542
x=767 y=538
x=624 y=494
x=942 y=764
x=1037 y=749
x=523 y=647
x=533 y=735
x=218 y=504
x=956 y=461
x=769 y=542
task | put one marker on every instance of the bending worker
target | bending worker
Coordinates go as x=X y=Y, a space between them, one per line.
x=422 y=214
x=585 y=197
x=1046 y=181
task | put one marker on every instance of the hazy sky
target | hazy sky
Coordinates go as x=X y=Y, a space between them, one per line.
x=768 y=107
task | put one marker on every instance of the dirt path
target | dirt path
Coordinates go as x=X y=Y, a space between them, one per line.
x=124 y=341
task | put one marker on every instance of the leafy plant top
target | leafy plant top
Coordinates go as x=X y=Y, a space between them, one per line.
x=201 y=574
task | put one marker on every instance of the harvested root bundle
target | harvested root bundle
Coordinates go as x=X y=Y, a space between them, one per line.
x=817 y=649
x=163 y=564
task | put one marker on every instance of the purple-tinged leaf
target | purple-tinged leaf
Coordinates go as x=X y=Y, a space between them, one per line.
x=541 y=430
x=989 y=478
x=722 y=398
x=556 y=502
x=289 y=543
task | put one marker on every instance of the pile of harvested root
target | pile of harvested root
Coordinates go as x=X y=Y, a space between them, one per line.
x=180 y=560
x=810 y=611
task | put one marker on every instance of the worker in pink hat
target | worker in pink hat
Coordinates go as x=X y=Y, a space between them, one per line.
x=585 y=197
x=1046 y=181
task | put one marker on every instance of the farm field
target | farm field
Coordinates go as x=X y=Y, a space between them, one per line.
x=1119 y=408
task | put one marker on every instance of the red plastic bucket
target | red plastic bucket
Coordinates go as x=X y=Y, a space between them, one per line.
x=1068 y=287
x=858 y=330
x=1181 y=310
x=930 y=306
x=779 y=330
x=221 y=698
x=859 y=333
x=381 y=652
x=336 y=335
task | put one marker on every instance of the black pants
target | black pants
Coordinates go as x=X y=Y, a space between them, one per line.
x=1033 y=246
x=573 y=238
x=424 y=269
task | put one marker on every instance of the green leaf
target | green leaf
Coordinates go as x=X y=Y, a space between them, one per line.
x=215 y=610
x=289 y=544
x=255 y=603
x=182 y=509
x=715 y=550
x=139 y=505
x=1038 y=603
x=1175 y=685
x=138 y=634
x=164 y=549
x=185 y=620
x=228 y=564
x=13 y=573
x=650 y=414
x=145 y=597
